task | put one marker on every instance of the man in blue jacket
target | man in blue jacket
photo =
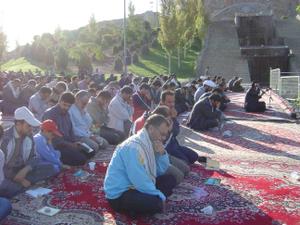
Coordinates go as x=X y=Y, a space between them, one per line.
x=135 y=182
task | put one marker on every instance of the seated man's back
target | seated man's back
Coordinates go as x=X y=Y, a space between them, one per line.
x=204 y=114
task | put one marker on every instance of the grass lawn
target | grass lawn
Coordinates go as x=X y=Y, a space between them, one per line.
x=19 y=64
x=156 y=62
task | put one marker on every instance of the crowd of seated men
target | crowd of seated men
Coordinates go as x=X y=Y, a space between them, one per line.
x=64 y=121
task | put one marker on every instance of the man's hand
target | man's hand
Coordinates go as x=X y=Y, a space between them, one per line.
x=173 y=112
x=97 y=125
x=164 y=209
x=170 y=124
x=148 y=96
x=25 y=183
x=129 y=101
x=94 y=138
x=20 y=176
x=66 y=167
x=159 y=147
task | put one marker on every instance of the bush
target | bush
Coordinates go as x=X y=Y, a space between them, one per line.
x=135 y=58
x=84 y=64
x=145 y=50
x=134 y=47
x=154 y=43
x=116 y=50
x=197 y=44
x=118 y=64
x=61 y=59
x=298 y=9
x=108 y=40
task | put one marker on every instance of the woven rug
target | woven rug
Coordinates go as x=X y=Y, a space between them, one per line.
x=256 y=187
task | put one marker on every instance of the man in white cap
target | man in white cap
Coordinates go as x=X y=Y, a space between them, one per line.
x=21 y=167
x=208 y=85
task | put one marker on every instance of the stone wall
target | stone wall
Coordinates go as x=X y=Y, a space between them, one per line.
x=225 y=9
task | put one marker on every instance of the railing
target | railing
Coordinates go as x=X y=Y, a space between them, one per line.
x=287 y=86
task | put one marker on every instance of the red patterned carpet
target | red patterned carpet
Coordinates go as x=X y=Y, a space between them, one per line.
x=256 y=187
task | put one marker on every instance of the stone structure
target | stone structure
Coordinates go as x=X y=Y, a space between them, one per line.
x=223 y=44
x=225 y=9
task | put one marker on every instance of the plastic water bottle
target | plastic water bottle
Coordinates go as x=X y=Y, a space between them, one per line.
x=294 y=176
x=208 y=210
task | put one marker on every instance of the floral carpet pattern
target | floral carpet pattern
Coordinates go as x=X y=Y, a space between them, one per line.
x=256 y=187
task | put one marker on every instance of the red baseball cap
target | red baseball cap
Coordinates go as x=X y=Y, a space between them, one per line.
x=50 y=126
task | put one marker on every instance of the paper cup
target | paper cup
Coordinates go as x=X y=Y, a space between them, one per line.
x=92 y=165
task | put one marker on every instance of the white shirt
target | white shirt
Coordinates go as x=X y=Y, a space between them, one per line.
x=119 y=111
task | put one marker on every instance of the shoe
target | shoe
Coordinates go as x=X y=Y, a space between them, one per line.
x=202 y=159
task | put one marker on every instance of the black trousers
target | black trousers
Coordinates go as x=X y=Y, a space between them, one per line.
x=256 y=107
x=113 y=136
x=134 y=202
x=181 y=152
x=72 y=157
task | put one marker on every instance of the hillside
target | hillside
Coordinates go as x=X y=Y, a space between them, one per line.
x=19 y=64
x=100 y=45
x=156 y=62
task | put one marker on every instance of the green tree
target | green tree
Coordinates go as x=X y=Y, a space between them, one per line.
x=49 y=57
x=118 y=64
x=187 y=15
x=298 y=9
x=138 y=31
x=181 y=14
x=3 y=45
x=84 y=64
x=61 y=59
x=202 y=20
x=108 y=40
x=94 y=34
x=79 y=54
x=168 y=37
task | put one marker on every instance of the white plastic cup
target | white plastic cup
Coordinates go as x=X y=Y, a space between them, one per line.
x=92 y=165
x=295 y=176
x=208 y=210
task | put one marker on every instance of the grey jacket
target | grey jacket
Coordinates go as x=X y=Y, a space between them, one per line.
x=98 y=114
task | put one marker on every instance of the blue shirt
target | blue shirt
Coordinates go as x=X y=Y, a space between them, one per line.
x=46 y=152
x=81 y=121
x=37 y=105
x=63 y=123
x=126 y=171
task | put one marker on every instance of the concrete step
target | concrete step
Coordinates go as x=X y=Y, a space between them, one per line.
x=222 y=53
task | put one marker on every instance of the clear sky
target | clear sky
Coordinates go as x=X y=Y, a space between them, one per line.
x=22 y=19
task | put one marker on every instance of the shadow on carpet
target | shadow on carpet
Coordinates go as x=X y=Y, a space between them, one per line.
x=83 y=202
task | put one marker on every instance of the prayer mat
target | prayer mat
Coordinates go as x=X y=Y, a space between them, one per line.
x=238 y=199
x=256 y=186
